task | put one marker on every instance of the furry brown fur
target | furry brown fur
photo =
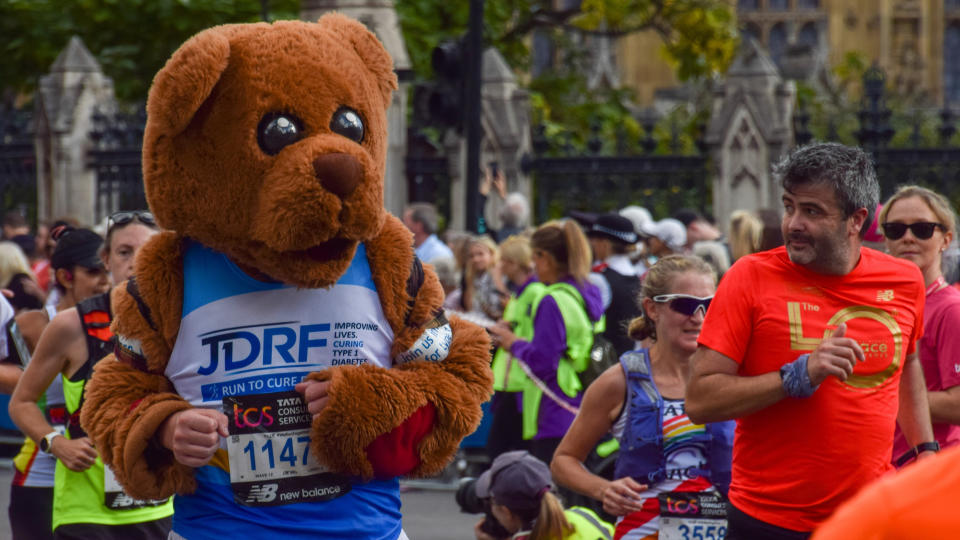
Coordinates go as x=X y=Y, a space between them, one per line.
x=279 y=216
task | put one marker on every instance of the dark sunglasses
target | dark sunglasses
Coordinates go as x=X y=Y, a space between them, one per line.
x=684 y=304
x=922 y=229
x=122 y=218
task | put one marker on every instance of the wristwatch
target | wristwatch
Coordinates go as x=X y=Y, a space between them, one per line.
x=931 y=446
x=47 y=441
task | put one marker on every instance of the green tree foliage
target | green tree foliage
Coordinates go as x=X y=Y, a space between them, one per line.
x=699 y=39
x=699 y=35
x=833 y=107
x=130 y=38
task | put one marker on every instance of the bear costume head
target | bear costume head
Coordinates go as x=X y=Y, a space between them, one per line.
x=297 y=158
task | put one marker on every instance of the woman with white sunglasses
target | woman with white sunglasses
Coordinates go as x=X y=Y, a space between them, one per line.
x=640 y=402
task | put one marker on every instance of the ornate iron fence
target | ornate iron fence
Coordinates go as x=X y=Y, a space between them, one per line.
x=935 y=165
x=428 y=174
x=565 y=180
x=18 y=163
x=116 y=160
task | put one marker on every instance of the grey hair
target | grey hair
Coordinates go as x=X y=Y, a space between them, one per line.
x=516 y=210
x=847 y=169
x=425 y=214
x=447 y=273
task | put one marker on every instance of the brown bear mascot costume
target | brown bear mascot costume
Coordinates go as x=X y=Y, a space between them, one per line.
x=282 y=357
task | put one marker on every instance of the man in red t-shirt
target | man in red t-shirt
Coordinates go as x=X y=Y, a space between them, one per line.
x=812 y=348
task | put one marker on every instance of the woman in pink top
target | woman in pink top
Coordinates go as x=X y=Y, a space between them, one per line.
x=918 y=224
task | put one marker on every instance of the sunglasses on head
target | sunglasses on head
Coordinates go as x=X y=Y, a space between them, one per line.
x=922 y=229
x=684 y=304
x=122 y=218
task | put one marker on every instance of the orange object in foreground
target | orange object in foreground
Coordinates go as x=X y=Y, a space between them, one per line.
x=917 y=502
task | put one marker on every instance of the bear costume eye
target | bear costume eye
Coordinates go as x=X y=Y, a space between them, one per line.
x=278 y=130
x=348 y=123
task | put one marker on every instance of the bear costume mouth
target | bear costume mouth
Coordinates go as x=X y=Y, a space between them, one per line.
x=332 y=249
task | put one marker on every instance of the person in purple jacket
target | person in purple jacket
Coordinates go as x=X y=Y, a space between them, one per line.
x=563 y=328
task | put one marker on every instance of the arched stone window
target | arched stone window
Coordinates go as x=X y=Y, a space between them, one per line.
x=777 y=42
x=542 y=53
x=753 y=30
x=808 y=4
x=952 y=5
x=809 y=35
x=778 y=5
x=951 y=70
x=748 y=5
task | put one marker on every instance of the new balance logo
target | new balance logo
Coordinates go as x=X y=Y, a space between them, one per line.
x=885 y=295
x=262 y=493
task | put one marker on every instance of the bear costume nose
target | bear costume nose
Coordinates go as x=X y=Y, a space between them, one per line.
x=338 y=173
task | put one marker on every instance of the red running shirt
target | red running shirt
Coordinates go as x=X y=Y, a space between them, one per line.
x=797 y=460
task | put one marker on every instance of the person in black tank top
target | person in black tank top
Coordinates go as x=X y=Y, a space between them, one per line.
x=611 y=238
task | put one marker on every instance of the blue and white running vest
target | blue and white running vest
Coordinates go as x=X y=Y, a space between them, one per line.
x=241 y=336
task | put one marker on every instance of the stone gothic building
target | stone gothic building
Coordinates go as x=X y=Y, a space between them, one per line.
x=907 y=38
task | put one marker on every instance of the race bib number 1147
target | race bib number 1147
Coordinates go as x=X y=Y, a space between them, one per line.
x=269 y=447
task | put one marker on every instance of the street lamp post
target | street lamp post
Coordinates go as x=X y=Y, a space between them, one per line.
x=474 y=49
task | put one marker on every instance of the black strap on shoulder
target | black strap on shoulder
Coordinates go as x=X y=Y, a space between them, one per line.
x=100 y=302
x=96 y=330
x=134 y=291
x=97 y=349
x=414 y=283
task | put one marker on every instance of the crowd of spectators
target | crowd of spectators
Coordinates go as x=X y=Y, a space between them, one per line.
x=644 y=285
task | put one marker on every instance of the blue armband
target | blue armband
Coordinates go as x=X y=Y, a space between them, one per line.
x=796 y=379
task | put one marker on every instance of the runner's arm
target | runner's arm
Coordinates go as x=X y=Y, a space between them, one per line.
x=31 y=325
x=602 y=403
x=945 y=405
x=914 y=414
x=49 y=359
x=9 y=376
x=544 y=351
x=603 y=399
x=716 y=392
x=52 y=356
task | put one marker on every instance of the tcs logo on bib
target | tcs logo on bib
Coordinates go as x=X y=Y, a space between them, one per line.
x=252 y=416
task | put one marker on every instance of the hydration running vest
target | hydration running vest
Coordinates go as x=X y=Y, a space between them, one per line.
x=641 y=445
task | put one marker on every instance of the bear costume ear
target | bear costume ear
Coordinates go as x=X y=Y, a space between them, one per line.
x=368 y=47
x=185 y=82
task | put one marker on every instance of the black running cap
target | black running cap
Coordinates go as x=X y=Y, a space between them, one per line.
x=78 y=247
x=615 y=227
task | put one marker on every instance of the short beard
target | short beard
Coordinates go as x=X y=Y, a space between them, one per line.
x=831 y=255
